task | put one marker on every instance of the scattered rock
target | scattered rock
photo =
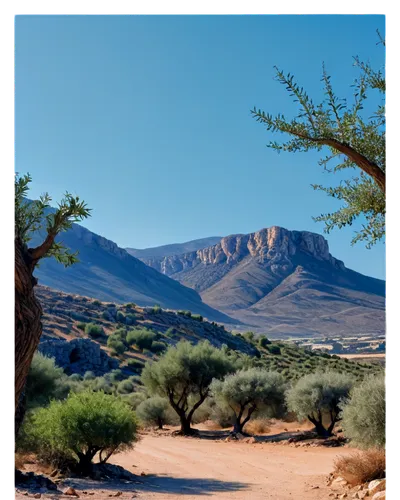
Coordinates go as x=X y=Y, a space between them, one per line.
x=118 y=494
x=37 y=495
x=376 y=486
x=343 y=495
x=142 y=473
x=71 y=492
x=381 y=495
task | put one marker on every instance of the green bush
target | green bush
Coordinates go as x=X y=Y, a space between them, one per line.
x=363 y=416
x=153 y=411
x=134 y=399
x=82 y=425
x=120 y=317
x=115 y=375
x=94 y=331
x=197 y=317
x=81 y=325
x=317 y=397
x=130 y=319
x=96 y=303
x=45 y=381
x=135 y=364
x=157 y=347
x=141 y=338
x=274 y=349
x=89 y=376
x=116 y=345
x=263 y=341
x=171 y=332
x=125 y=387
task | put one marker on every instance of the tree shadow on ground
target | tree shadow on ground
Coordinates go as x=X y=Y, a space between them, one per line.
x=162 y=484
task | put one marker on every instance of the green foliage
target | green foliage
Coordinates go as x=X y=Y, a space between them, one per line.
x=80 y=426
x=94 y=331
x=120 y=317
x=125 y=387
x=34 y=216
x=153 y=411
x=89 y=375
x=81 y=326
x=274 y=349
x=197 y=317
x=355 y=141
x=318 y=397
x=130 y=319
x=363 y=416
x=96 y=303
x=188 y=314
x=263 y=341
x=186 y=370
x=157 y=347
x=249 y=336
x=135 y=364
x=171 y=332
x=250 y=391
x=134 y=399
x=141 y=338
x=45 y=381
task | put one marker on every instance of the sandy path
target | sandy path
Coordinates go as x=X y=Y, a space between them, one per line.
x=192 y=468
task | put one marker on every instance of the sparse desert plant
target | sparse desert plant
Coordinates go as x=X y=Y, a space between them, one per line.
x=361 y=467
x=45 y=381
x=94 y=331
x=363 y=416
x=247 y=392
x=141 y=338
x=82 y=425
x=125 y=387
x=186 y=370
x=317 y=397
x=153 y=411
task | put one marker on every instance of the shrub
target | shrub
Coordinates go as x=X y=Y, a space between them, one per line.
x=81 y=325
x=141 y=338
x=135 y=364
x=257 y=426
x=361 y=467
x=263 y=341
x=116 y=345
x=170 y=332
x=363 y=416
x=45 y=381
x=197 y=317
x=153 y=411
x=81 y=426
x=115 y=375
x=274 y=349
x=96 y=303
x=249 y=336
x=186 y=370
x=134 y=399
x=317 y=396
x=125 y=387
x=94 y=331
x=130 y=319
x=130 y=305
x=89 y=376
x=120 y=317
x=107 y=316
x=157 y=347
x=249 y=391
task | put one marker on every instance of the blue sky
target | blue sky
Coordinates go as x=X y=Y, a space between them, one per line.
x=147 y=118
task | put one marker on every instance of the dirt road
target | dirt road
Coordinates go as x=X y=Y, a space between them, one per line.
x=192 y=468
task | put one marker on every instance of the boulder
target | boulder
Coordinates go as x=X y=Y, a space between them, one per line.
x=71 y=492
x=376 y=486
x=381 y=495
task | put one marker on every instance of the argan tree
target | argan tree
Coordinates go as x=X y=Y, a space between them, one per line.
x=183 y=375
x=355 y=140
x=247 y=392
x=317 y=397
x=36 y=217
x=364 y=415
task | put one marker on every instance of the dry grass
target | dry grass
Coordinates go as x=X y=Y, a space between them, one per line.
x=361 y=467
x=257 y=426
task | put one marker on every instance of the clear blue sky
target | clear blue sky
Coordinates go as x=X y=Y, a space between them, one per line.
x=147 y=118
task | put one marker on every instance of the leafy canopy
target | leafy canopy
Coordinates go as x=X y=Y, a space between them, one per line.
x=364 y=415
x=354 y=141
x=37 y=215
x=153 y=411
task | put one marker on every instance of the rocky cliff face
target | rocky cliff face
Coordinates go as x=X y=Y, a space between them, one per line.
x=274 y=246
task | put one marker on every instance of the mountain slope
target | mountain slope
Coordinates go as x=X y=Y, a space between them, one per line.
x=282 y=281
x=174 y=248
x=109 y=273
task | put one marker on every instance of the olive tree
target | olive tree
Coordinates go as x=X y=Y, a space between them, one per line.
x=317 y=397
x=36 y=217
x=354 y=138
x=364 y=414
x=153 y=411
x=186 y=370
x=247 y=392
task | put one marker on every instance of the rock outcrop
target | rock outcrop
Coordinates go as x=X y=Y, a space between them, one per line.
x=78 y=356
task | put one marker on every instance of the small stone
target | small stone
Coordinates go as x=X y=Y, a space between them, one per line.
x=376 y=486
x=381 y=495
x=142 y=473
x=71 y=492
x=343 y=495
x=37 y=495
x=118 y=494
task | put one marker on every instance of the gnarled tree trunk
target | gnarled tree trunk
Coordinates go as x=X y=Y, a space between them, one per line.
x=28 y=326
